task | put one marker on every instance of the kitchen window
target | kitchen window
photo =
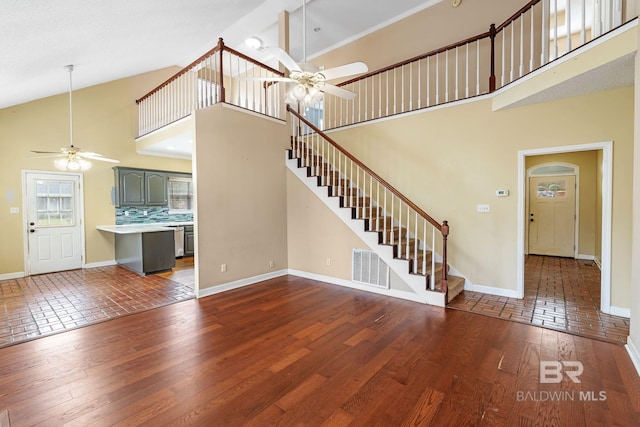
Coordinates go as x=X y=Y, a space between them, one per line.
x=180 y=195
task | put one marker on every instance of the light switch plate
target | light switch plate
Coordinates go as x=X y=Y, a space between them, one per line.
x=14 y=210
x=483 y=208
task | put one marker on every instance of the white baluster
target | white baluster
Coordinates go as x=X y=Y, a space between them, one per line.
x=446 y=76
x=531 y=37
x=477 y=67
x=424 y=247
x=428 y=82
x=511 y=72
x=456 y=75
x=419 y=80
x=415 y=246
x=567 y=20
x=521 y=45
x=502 y=82
x=411 y=86
x=433 y=258
x=466 y=73
x=437 y=78
x=583 y=30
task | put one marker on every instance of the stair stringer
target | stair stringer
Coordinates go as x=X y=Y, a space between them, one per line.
x=385 y=252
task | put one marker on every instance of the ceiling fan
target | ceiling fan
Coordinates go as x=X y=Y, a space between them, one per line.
x=73 y=158
x=309 y=82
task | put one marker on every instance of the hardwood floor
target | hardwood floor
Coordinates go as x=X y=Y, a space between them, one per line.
x=559 y=293
x=293 y=351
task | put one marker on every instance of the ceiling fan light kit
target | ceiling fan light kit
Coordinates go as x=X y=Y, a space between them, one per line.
x=308 y=83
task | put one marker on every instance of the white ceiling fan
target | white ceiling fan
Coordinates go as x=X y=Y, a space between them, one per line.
x=73 y=158
x=309 y=81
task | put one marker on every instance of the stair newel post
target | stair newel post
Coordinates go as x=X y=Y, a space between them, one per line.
x=492 y=77
x=221 y=51
x=444 y=229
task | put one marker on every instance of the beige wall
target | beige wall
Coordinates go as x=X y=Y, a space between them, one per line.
x=449 y=160
x=315 y=234
x=240 y=184
x=105 y=121
x=587 y=196
x=429 y=29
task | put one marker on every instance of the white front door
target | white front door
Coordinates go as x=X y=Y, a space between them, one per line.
x=552 y=215
x=54 y=226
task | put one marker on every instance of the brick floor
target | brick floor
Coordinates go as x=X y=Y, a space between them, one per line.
x=45 y=304
x=560 y=293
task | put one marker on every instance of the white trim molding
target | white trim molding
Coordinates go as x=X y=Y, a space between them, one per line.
x=8 y=276
x=620 y=311
x=394 y=293
x=100 y=264
x=501 y=292
x=223 y=287
x=607 y=202
x=634 y=354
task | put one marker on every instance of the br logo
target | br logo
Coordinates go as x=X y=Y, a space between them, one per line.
x=551 y=371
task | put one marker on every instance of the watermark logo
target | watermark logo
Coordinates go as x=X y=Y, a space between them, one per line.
x=551 y=371
x=554 y=372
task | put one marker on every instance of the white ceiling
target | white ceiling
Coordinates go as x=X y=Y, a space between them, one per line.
x=110 y=39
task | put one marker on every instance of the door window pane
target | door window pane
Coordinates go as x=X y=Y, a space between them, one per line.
x=54 y=203
x=556 y=188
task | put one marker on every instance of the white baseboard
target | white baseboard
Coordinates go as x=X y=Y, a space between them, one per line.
x=619 y=311
x=586 y=257
x=634 y=354
x=395 y=293
x=509 y=293
x=216 y=289
x=100 y=264
x=15 y=275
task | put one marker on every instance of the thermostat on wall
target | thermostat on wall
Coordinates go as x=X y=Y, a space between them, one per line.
x=502 y=193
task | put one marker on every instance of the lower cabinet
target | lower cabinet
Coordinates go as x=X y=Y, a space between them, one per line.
x=189 y=243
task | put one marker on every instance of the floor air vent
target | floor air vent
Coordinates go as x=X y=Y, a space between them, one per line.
x=369 y=269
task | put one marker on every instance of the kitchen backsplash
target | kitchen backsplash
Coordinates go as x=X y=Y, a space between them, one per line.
x=137 y=215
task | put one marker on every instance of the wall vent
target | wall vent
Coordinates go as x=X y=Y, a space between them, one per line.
x=369 y=269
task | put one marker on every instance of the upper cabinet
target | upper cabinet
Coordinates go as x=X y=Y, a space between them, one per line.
x=140 y=187
x=155 y=184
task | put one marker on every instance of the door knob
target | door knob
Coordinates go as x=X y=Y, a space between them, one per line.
x=32 y=231
x=531 y=220
x=32 y=223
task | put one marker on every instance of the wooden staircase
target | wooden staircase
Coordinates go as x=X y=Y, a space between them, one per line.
x=407 y=255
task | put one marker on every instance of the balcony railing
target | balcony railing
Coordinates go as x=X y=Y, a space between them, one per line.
x=540 y=32
x=220 y=75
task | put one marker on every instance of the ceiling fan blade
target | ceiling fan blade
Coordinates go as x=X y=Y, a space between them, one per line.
x=47 y=156
x=45 y=152
x=344 y=70
x=284 y=58
x=337 y=91
x=96 y=156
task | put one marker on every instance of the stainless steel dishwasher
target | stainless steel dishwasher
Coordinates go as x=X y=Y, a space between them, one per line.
x=178 y=237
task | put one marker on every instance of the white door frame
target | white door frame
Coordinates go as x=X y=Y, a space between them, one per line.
x=25 y=220
x=607 y=194
x=576 y=221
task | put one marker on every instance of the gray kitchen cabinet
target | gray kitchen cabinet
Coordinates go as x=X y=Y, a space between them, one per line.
x=189 y=242
x=155 y=188
x=129 y=187
x=139 y=187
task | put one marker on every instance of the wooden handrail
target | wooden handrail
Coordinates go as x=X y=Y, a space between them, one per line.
x=409 y=203
x=220 y=47
x=416 y=58
x=491 y=33
x=515 y=16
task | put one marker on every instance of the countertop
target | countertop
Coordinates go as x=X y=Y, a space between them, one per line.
x=140 y=228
